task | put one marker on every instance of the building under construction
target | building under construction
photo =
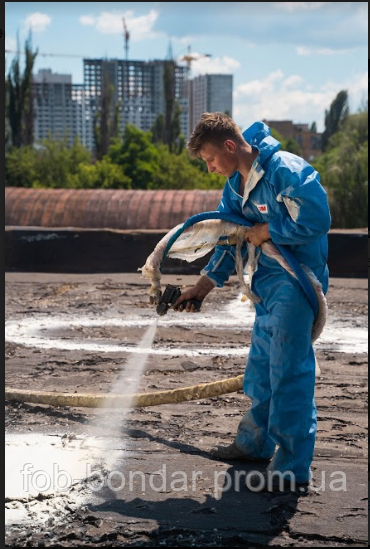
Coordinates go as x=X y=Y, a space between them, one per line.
x=139 y=91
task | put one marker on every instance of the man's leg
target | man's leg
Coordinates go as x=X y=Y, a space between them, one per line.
x=252 y=436
x=293 y=419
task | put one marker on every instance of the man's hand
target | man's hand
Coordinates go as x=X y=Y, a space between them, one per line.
x=199 y=291
x=258 y=234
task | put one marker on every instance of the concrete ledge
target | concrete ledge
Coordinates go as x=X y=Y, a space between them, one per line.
x=75 y=250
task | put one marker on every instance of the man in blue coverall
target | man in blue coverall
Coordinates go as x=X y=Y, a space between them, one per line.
x=281 y=194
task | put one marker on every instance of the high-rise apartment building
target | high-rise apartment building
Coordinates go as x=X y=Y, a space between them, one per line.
x=59 y=107
x=210 y=93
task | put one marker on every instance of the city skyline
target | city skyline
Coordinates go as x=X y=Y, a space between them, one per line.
x=63 y=110
x=289 y=60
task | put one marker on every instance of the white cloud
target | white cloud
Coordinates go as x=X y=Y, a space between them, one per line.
x=87 y=20
x=358 y=90
x=139 y=27
x=274 y=98
x=37 y=22
x=360 y=84
x=292 y=81
x=300 y=6
x=210 y=65
x=304 y=51
x=255 y=88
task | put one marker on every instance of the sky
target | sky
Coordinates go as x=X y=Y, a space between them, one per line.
x=289 y=60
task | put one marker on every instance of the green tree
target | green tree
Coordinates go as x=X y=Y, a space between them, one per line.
x=157 y=130
x=169 y=97
x=137 y=156
x=344 y=172
x=7 y=124
x=178 y=140
x=54 y=164
x=106 y=118
x=21 y=166
x=292 y=146
x=177 y=171
x=19 y=102
x=335 y=116
x=172 y=115
x=101 y=175
x=51 y=164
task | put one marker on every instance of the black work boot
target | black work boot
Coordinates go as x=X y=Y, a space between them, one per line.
x=273 y=481
x=233 y=452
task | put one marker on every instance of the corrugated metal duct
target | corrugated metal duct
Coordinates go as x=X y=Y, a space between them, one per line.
x=110 y=209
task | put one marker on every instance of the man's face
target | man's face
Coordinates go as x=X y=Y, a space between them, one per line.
x=220 y=160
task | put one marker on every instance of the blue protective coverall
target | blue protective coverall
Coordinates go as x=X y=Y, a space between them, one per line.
x=284 y=191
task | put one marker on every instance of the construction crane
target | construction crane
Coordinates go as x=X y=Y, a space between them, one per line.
x=126 y=35
x=189 y=57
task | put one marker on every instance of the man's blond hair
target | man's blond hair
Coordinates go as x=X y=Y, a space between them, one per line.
x=213 y=128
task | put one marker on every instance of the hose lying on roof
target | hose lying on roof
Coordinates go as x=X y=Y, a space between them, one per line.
x=109 y=400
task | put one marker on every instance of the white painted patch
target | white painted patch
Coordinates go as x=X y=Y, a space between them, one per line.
x=27 y=333
x=341 y=335
x=66 y=465
x=42 y=464
x=344 y=336
x=37 y=463
x=37 y=331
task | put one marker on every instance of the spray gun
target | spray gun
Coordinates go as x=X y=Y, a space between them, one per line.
x=169 y=297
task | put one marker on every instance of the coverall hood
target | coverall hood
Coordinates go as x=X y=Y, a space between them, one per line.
x=259 y=137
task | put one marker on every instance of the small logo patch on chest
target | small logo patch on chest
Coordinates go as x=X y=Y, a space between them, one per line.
x=262 y=208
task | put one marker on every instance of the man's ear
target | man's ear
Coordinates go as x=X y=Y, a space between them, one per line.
x=230 y=146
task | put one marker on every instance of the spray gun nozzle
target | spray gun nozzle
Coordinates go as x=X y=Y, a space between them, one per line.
x=169 y=297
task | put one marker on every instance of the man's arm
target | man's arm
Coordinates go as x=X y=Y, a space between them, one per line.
x=199 y=292
x=219 y=268
x=307 y=216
